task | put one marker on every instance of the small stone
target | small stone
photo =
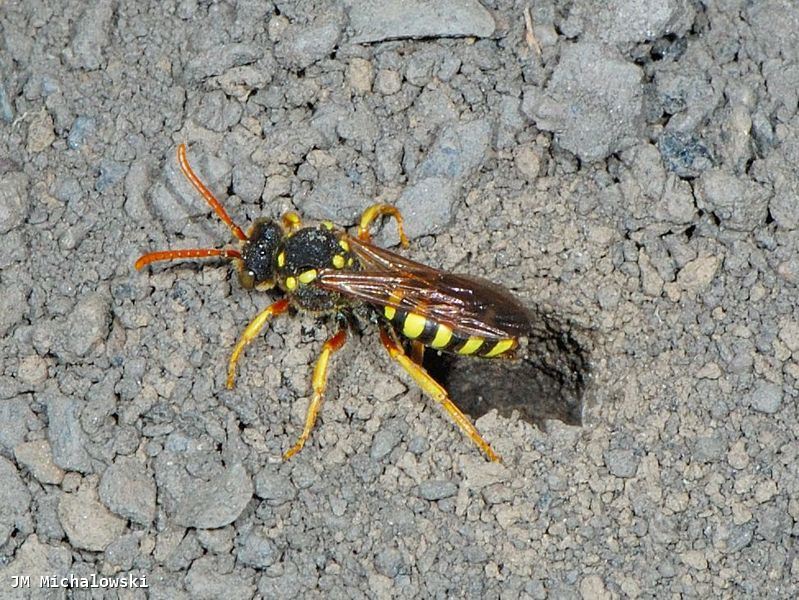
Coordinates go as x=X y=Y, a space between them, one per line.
x=15 y=415
x=384 y=442
x=739 y=203
x=81 y=128
x=88 y=524
x=38 y=459
x=129 y=491
x=15 y=501
x=274 y=486
x=216 y=503
x=696 y=275
x=13 y=304
x=34 y=558
x=528 y=162
x=91 y=35
x=257 y=551
x=32 y=370
x=766 y=397
x=14 y=201
x=301 y=46
x=360 y=74
x=67 y=439
x=621 y=462
x=206 y=580
x=379 y=20
x=437 y=489
x=765 y=491
x=88 y=323
x=40 y=132
x=593 y=588
x=388 y=82
x=694 y=559
x=427 y=206
x=709 y=371
x=789 y=334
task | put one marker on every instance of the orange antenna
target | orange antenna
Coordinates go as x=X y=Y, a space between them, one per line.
x=206 y=193
x=152 y=257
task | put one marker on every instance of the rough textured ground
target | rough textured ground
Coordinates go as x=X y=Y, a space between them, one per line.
x=633 y=167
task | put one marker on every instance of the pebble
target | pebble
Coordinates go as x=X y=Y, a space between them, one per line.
x=91 y=35
x=766 y=397
x=458 y=151
x=740 y=204
x=207 y=579
x=40 y=132
x=15 y=414
x=81 y=128
x=67 y=439
x=437 y=489
x=684 y=153
x=301 y=46
x=88 y=323
x=111 y=173
x=37 y=457
x=621 y=462
x=694 y=559
x=360 y=74
x=88 y=524
x=696 y=275
x=380 y=20
x=593 y=102
x=13 y=304
x=257 y=551
x=128 y=490
x=34 y=557
x=427 y=206
x=383 y=443
x=215 y=503
x=32 y=371
x=15 y=500
x=388 y=82
x=14 y=200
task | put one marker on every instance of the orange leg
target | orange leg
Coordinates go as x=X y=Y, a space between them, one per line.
x=252 y=330
x=319 y=384
x=152 y=257
x=435 y=391
x=206 y=193
x=417 y=352
x=375 y=211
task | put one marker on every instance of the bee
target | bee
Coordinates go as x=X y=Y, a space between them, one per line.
x=327 y=271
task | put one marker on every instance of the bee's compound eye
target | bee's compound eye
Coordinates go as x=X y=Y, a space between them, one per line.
x=247 y=279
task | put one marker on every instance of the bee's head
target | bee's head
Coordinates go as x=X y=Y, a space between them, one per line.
x=257 y=266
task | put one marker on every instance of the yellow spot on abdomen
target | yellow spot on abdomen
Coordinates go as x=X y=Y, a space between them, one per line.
x=413 y=326
x=443 y=337
x=291 y=283
x=307 y=276
x=500 y=347
x=390 y=312
x=471 y=346
x=338 y=261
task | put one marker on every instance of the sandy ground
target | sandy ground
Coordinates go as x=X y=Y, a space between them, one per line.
x=631 y=168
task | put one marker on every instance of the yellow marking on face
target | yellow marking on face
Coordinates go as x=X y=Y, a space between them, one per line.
x=307 y=276
x=281 y=259
x=327 y=225
x=413 y=326
x=389 y=311
x=471 y=346
x=338 y=261
x=291 y=283
x=443 y=337
x=500 y=347
x=344 y=245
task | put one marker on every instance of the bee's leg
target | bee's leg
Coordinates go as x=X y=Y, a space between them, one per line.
x=291 y=221
x=375 y=211
x=252 y=330
x=435 y=391
x=417 y=352
x=319 y=383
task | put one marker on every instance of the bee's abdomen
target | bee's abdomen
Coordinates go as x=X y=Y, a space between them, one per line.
x=442 y=337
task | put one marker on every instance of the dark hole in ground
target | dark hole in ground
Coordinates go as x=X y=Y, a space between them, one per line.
x=548 y=381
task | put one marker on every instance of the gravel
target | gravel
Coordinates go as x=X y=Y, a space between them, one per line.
x=627 y=169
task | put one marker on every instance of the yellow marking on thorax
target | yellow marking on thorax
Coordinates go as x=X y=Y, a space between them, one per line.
x=500 y=347
x=443 y=337
x=344 y=245
x=307 y=276
x=471 y=346
x=327 y=225
x=390 y=312
x=338 y=261
x=291 y=283
x=281 y=259
x=413 y=326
